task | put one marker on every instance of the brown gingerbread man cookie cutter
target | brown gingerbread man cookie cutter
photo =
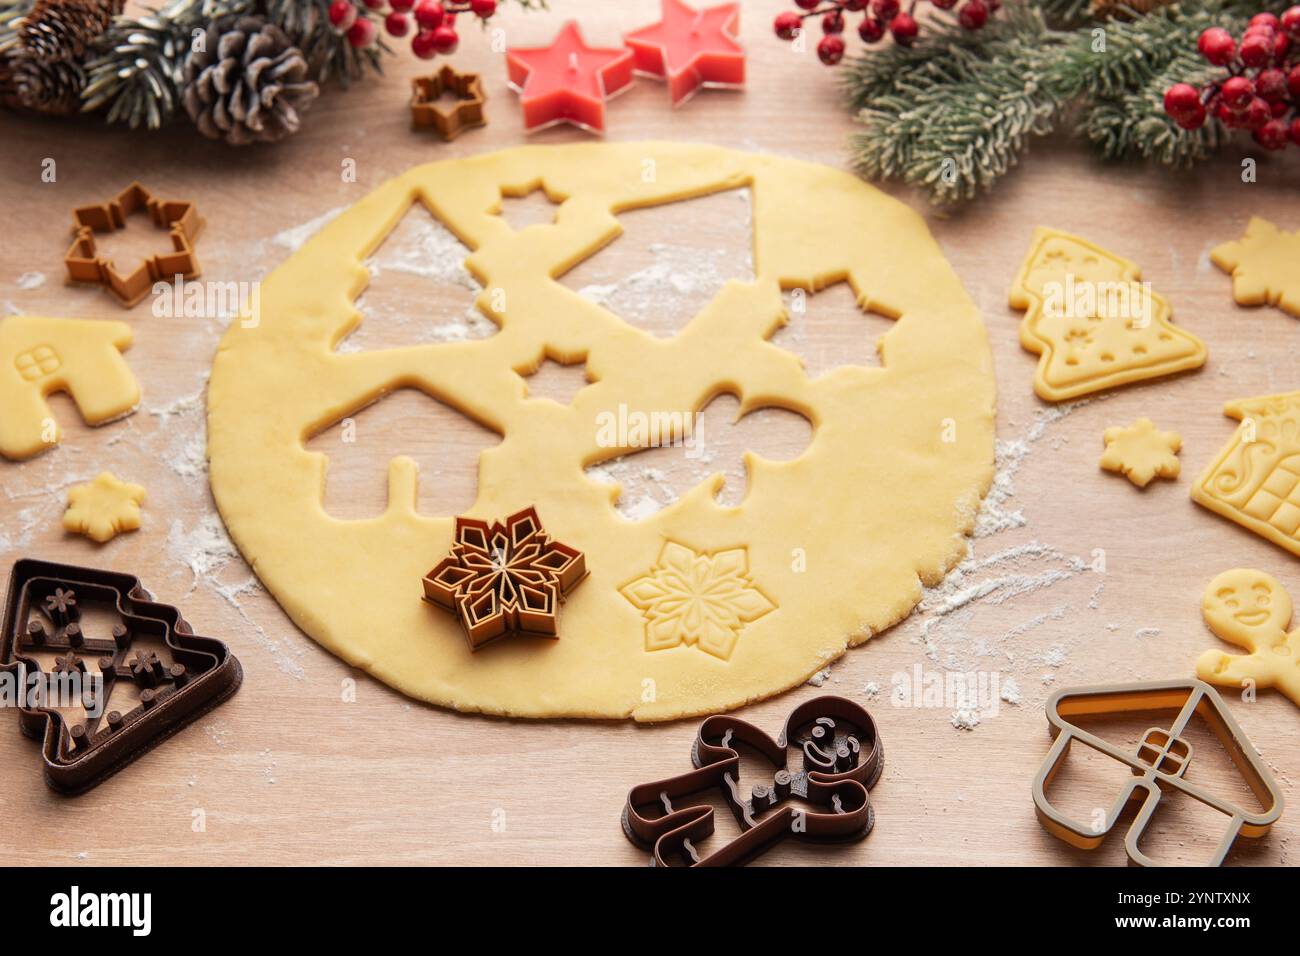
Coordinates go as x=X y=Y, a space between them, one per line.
x=825 y=799
x=84 y=263
x=44 y=618
x=1158 y=763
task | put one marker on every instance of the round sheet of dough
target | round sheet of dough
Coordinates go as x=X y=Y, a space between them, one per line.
x=698 y=608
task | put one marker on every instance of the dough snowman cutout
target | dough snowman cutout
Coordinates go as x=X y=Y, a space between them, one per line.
x=1252 y=610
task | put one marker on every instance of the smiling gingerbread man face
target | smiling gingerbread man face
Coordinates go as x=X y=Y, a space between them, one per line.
x=1246 y=607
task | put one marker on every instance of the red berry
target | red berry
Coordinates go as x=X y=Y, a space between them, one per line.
x=871 y=30
x=1291 y=22
x=944 y=4
x=1272 y=135
x=1293 y=83
x=1271 y=84
x=429 y=14
x=1217 y=46
x=831 y=49
x=445 y=39
x=483 y=8
x=1181 y=99
x=1238 y=92
x=342 y=15
x=904 y=29
x=1257 y=114
x=885 y=9
x=363 y=33
x=397 y=24
x=422 y=45
x=787 y=25
x=374 y=4
x=1281 y=45
x=1294 y=131
x=1280 y=108
x=1264 y=20
x=806 y=4
x=973 y=14
x=833 y=22
x=1256 y=49
x=401 y=6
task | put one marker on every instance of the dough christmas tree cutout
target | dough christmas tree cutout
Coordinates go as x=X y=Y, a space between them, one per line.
x=40 y=356
x=1264 y=264
x=1092 y=321
x=833 y=576
x=1252 y=610
x=1255 y=480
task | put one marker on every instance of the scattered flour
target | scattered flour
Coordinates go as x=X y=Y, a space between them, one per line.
x=872 y=690
x=293 y=238
x=1143 y=632
x=31 y=280
x=1011 y=691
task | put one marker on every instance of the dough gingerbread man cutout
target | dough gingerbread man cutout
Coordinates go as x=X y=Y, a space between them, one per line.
x=1252 y=610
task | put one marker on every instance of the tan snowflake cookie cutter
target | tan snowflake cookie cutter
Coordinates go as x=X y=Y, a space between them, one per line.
x=40 y=356
x=1252 y=610
x=104 y=508
x=1092 y=321
x=1141 y=452
x=1264 y=264
x=1255 y=480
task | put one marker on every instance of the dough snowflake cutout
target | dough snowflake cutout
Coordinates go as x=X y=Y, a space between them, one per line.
x=103 y=508
x=1141 y=452
x=1264 y=264
x=1252 y=610
x=504 y=579
x=697 y=598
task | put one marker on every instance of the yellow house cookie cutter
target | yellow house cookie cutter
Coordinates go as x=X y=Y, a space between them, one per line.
x=1159 y=763
x=1252 y=610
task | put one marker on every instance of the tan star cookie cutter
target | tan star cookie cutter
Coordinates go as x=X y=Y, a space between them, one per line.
x=1141 y=452
x=104 y=508
x=1252 y=610
x=1264 y=264
x=1092 y=321
x=1158 y=763
x=179 y=218
x=451 y=120
x=40 y=356
x=1255 y=480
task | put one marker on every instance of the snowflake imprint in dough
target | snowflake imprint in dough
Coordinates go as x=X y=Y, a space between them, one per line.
x=103 y=508
x=700 y=599
x=1264 y=264
x=1141 y=452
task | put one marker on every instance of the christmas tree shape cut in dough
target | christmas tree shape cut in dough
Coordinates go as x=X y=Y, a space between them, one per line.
x=1264 y=264
x=1255 y=480
x=1252 y=610
x=40 y=356
x=1092 y=321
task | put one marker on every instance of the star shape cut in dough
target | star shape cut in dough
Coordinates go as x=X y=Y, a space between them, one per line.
x=691 y=48
x=1264 y=264
x=104 y=508
x=1141 y=452
x=694 y=598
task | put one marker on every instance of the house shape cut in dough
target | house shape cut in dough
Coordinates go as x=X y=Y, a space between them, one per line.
x=1092 y=321
x=1255 y=480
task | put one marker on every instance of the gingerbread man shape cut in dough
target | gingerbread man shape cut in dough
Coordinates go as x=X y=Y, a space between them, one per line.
x=1252 y=610
x=40 y=356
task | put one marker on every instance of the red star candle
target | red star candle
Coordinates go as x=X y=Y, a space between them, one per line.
x=568 y=81
x=691 y=48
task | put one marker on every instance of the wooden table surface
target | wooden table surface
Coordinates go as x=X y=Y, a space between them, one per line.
x=294 y=770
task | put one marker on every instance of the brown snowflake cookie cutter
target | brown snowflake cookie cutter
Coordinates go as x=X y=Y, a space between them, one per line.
x=842 y=757
x=180 y=219
x=1159 y=763
x=43 y=615
x=505 y=578
x=448 y=121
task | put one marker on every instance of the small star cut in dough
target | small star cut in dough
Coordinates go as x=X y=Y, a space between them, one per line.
x=1265 y=266
x=1252 y=610
x=104 y=508
x=1141 y=452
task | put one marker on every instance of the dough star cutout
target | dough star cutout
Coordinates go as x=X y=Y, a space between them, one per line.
x=104 y=508
x=1252 y=610
x=1264 y=264
x=1141 y=452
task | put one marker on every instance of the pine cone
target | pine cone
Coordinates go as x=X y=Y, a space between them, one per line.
x=246 y=82
x=53 y=87
x=43 y=66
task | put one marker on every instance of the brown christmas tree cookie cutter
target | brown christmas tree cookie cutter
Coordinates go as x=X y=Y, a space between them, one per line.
x=169 y=680
x=505 y=578
x=180 y=219
x=1159 y=763
x=841 y=757
x=449 y=120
